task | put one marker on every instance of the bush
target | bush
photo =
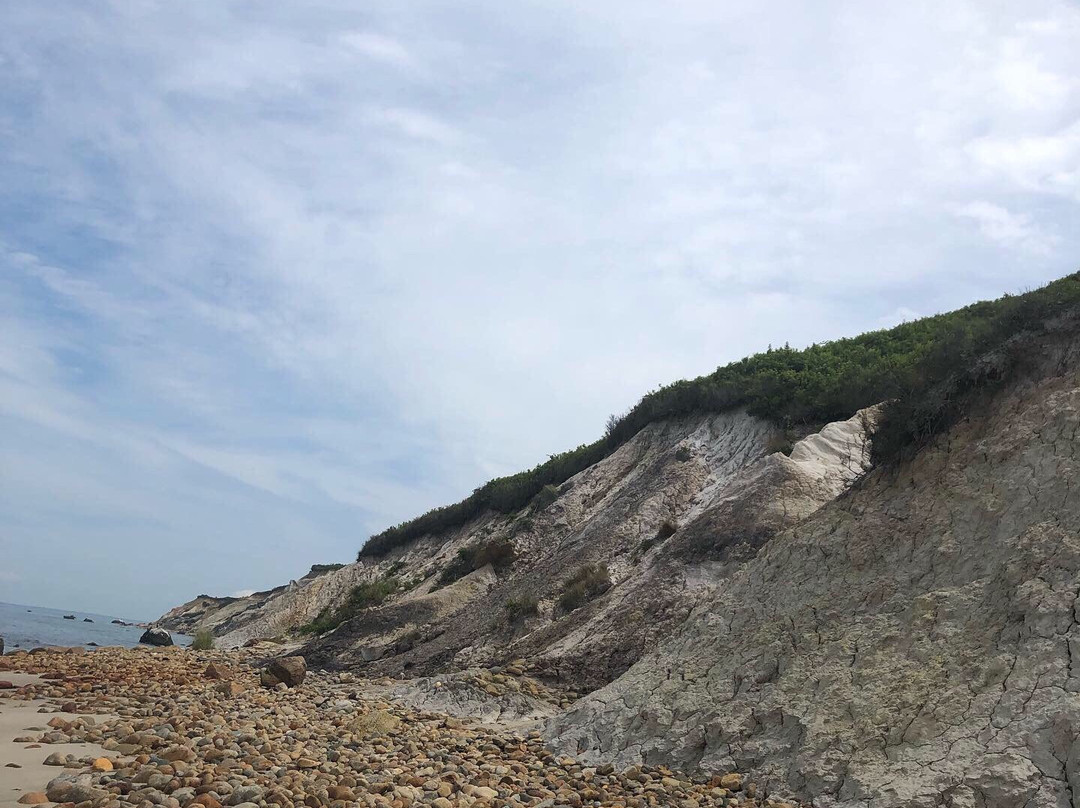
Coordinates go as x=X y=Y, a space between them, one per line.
x=548 y=494
x=589 y=582
x=499 y=553
x=522 y=606
x=683 y=453
x=321 y=569
x=363 y=596
x=780 y=442
x=924 y=366
x=203 y=641
x=666 y=531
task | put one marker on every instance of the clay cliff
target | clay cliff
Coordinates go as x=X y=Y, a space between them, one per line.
x=851 y=626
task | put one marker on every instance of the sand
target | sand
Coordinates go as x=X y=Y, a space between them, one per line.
x=15 y=717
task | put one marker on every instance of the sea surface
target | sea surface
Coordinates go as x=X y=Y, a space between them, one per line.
x=33 y=626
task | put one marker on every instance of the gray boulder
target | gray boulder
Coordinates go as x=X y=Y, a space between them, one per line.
x=156 y=636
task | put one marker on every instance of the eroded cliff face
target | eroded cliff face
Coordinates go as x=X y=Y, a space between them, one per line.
x=871 y=638
x=912 y=643
x=646 y=515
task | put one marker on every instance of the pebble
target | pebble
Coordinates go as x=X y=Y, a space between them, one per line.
x=194 y=730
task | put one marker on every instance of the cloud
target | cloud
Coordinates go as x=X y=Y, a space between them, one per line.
x=242 y=593
x=273 y=279
x=1007 y=229
x=413 y=123
x=378 y=47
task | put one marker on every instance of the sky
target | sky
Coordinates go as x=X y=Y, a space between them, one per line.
x=274 y=276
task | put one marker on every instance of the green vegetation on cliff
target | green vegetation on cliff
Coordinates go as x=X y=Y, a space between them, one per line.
x=925 y=369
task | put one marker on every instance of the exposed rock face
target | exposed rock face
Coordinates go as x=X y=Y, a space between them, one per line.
x=612 y=516
x=910 y=644
x=902 y=636
x=639 y=516
x=234 y=621
x=156 y=636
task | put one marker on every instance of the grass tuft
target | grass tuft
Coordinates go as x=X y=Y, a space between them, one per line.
x=589 y=582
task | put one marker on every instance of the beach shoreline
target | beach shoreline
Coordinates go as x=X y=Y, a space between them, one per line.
x=20 y=719
x=185 y=729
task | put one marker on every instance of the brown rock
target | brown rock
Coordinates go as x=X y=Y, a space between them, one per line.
x=732 y=782
x=102 y=765
x=231 y=689
x=291 y=670
x=33 y=798
x=216 y=671
x=206 y=801
x=179 y=753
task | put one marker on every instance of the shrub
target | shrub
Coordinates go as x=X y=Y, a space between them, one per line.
x=522 y=606
x=666 y=531
x=203 y=641
x=780 y=442
x=588 y=582
x=499 y=553
x=683 y=453
x=363 y=596
x=547 y=495
x=321 y=569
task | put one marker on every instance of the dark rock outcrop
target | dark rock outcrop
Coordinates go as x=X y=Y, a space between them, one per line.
x=156 y=636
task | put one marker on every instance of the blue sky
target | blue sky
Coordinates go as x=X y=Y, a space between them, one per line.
x=274 y=276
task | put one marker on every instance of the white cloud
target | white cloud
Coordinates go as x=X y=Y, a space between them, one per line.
x=242 y=593
x=1012 y=230
x=413 y=123
x=378 y=47
x=1042 y=163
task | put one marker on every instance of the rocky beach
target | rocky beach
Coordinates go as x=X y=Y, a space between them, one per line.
x=253 y=728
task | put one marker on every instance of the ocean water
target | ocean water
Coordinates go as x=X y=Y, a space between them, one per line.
x=32 y=626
